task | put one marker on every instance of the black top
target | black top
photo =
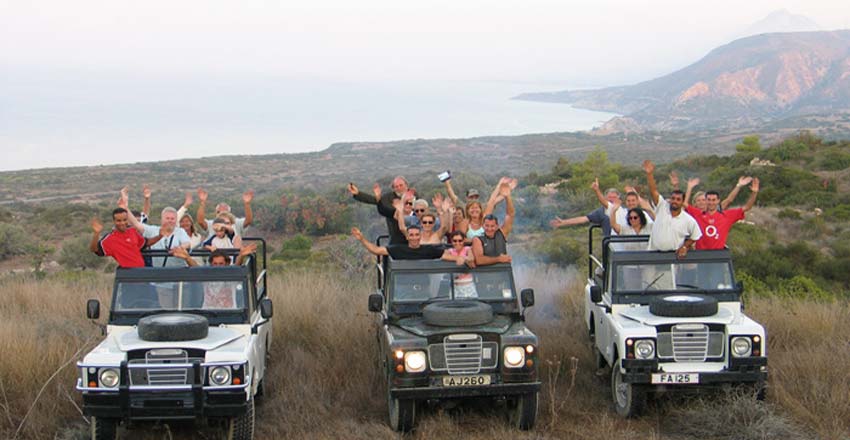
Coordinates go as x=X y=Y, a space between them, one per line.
x=405 y=252
x=386 y=209
x=493 y=247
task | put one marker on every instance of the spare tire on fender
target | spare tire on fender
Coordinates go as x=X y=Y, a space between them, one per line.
x=173 y=327
x=683 y=306
x=457 y=313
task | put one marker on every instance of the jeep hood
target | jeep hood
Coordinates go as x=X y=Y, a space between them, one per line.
x=217 y=337
x=417 y=326
x=642 y=315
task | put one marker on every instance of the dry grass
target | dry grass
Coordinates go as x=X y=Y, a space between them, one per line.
x=324 y=382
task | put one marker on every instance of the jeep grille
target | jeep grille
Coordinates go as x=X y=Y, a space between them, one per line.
x=162 y=376
x=690 y=343
x=462 y=354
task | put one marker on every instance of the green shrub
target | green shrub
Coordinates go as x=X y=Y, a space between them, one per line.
x=561 y=249
x=13 y=240
x=789 y=214
x=296 y=248
x=802 y=287
x=75 y=254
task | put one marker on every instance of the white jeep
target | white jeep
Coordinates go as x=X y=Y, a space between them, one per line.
x=668 y=324
x=180 y=343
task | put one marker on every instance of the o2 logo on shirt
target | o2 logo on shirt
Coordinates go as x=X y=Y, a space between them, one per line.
x=711 y=231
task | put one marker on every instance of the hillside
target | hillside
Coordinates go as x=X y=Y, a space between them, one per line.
x=749 y=82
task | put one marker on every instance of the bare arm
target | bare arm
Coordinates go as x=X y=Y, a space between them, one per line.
x=559 y=222
x=510 y=213
x=372 y=248
x=494 y=198
x=97 y=227
x=202 y=204
x=183 y=254
x=446 y=217
x=599 y=196
x=742 y=182
x=649 y=168
x=754 y=188
x=399 y=216
x=246 y=250
x=360 y=196
x=247 y=197
x=146 y=193
x=612 y=215
x=123 y=202
x=483 y=260
x=450 y=191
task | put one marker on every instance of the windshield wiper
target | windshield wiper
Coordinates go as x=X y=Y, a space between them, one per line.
x=652 y=283
x=434 y=299
x=689 y=286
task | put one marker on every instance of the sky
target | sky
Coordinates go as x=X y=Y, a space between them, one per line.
x=550 y=45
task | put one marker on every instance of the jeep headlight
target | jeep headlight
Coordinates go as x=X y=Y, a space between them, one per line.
x=741 y=346
x=414 y=361
x=109 y=378
x=645 y=349
x=514 y=357
x=220 y=376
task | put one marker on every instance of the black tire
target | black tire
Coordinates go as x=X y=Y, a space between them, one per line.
x=457 y=313
x=629 y=399
x=103 y=429
x=173 y=327
x=523 y=411
x=241 y=427
x=683 y=306
x=401 y=412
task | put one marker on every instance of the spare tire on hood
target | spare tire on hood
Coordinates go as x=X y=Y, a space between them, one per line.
x=684 y=305
x=457 y=313
x=173 y=327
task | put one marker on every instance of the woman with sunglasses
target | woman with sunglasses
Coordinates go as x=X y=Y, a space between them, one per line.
x=636 y=219
x=461 y=254
x=428 y=222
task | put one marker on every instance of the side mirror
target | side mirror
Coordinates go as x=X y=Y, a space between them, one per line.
x=92 y=309
x=526 y=297
x=376 y=302
x=595 y=294
x=266 y=309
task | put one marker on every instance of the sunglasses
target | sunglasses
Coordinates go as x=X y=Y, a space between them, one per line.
x=408 y=203
x=419 y=210
x=427 y=223
x=634 y=217
x=458 y=241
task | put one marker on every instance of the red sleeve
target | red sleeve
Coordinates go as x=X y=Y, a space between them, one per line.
x=104 y=246
x=693 y=211
x=734 y=214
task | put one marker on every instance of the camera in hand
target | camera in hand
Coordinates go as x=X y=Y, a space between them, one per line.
x=445 y=175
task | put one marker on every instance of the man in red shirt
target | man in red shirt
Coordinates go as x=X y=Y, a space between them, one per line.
x=715 y=225
x=123 y=243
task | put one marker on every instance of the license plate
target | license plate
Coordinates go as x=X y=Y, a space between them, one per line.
x=675 y=378
x=465 y=381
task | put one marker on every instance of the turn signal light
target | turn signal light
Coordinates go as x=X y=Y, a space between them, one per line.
x=237 y=381
x=92 y=384
x=399 y=368
x=529 y=363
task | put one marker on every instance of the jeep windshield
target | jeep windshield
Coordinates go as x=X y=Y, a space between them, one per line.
x=675 y=276
x=220 y=294
x=485 y=286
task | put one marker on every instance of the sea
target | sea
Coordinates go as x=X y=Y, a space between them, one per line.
x=61 y=119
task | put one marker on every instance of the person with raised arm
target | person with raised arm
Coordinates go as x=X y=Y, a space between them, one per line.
x=384 y=204
x=714 y=223
x=170 y=235
x=241 y=222
x=124 y=243
x=492 y=247
x=674 y=229
x=412 y=250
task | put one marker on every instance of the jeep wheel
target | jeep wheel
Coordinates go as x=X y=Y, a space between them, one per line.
x=629 y=399
x=103 y=429
x=173 y=327
x=522 y=412
x=402 y=412
x=242 y=427
x=457 y=313
x=683 y=306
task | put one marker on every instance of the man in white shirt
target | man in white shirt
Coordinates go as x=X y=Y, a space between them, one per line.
x=674 y=229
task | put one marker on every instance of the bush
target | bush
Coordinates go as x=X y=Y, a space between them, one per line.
x=789 y=214
x=802 y=287
x=561 y=249
x=296 y=248
x=13 y=240
x=75 y=254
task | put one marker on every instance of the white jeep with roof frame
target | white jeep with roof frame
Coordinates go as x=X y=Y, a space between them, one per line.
x=181 y=344
x=668 y=324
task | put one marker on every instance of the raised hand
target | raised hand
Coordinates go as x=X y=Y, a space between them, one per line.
x=146 y=191
x=96 y=226
x=187 y=201
x=122 y=203
x=754 y=187
x=629 y=189
x=202 y=195
x=674 y=179
x=513 y=183
x=595 y=184
x=355 y=232
x=352 y=188
x=447 y=205
x=409 y=195
x=248 y=196
x=744 y=180
x=693 y=182
x=648 y=166
x=505 y=190
x=248 y=249
x=556 y=222
x=376 y=190
x=437 y=201
x=398 y=204
x=179 y=252
x=125 y=194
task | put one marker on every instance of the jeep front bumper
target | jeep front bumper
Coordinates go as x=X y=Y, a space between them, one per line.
x=432 y=388
x=164 y=402
x=740 y=370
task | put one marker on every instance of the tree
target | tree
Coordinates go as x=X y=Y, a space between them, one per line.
x=75 y=254
x=749 y=145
